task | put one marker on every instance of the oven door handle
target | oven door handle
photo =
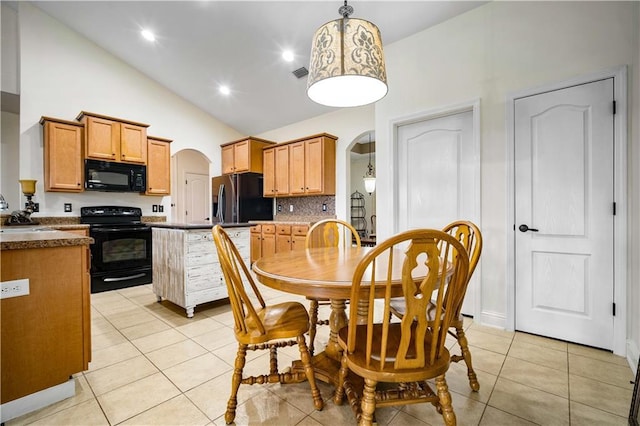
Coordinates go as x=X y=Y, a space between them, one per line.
x=140 y=228
x=130 y=277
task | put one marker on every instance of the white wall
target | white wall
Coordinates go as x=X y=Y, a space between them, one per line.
x=633 y=320
x=62 y=74
x=9 y=186
x=488 y=53
x=348 y=124
x=10 y=58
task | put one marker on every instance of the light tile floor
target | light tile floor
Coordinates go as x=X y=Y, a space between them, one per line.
x=153 y=366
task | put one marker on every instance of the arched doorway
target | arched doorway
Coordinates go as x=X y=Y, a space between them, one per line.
x=190 y=187
x=362 y=203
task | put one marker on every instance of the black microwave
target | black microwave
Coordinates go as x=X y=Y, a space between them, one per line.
x=115 y=177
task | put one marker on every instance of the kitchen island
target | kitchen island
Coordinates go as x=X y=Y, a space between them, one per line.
x=44 y=314
x=186 y=270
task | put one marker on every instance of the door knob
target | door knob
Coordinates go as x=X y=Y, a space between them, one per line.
x=525 y=228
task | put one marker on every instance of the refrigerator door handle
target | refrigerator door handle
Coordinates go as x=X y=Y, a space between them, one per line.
x=234 y=198
x=221 y=207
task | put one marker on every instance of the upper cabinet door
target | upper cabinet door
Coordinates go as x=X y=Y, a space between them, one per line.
x=297 y=168
x=241 y=157
x=314 y=166
x=103 y=139
x=282 y=171
x=133 y=143
x=63 y=165
x=227 y=160
x=269 y=181
x=158 y=166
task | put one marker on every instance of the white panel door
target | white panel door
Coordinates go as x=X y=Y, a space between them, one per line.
x=197 y=198
x=564 y=195
x=436 y=180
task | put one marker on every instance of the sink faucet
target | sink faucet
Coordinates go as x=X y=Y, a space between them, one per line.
x=3 y=204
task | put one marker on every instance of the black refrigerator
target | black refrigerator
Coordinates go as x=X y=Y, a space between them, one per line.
x=237 y=198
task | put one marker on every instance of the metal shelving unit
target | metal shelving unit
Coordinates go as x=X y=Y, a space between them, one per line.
x=358 y=213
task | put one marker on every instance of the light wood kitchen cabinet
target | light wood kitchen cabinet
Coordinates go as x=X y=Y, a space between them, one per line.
x=244 y=155
x=256 y=243
x=311 y=167
x=158 y=166
x=276 y=171
x=263 y=241
x=283 y=238
x=63 y=164
x=268 y=239
x=186 y=269
x=290 y=237
x=46 y=334
x=298 y=236
x=114 y=139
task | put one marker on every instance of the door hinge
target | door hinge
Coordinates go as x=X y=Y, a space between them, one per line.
x=614 y=107
x=614 y=309
x=614 y=208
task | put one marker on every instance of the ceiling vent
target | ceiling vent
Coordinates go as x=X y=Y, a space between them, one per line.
x=301 y=72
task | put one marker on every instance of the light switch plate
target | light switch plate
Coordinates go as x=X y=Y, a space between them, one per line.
x=160 y=208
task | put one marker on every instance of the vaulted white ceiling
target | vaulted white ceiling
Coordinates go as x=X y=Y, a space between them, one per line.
x=202 y=44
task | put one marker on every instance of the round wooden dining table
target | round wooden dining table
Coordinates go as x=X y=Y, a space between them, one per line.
x=323 y=273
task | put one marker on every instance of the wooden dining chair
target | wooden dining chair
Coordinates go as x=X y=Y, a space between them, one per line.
x=471 y=238
x=404 y=354
x=258 y=326
x=327 y=233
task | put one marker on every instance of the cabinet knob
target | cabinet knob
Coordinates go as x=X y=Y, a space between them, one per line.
x=79 y=184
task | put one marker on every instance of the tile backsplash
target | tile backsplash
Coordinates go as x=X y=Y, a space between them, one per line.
x=305 y=206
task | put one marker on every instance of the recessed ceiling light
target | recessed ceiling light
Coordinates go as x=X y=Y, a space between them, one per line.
x=148 y=35
x=225 y=90
x=287 y=55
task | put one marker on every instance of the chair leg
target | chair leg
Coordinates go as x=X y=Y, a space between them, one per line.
x=444 y=398
x=308 y=369
x=466 y=354
x=313 y=319
x=368 y=404
x=342 y=375
x=230 y=414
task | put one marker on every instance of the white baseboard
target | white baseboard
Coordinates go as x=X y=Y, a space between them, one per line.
x=633 y=354
x=35 y=401
x=493 y=319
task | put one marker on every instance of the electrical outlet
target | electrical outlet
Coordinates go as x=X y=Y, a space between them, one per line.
x=324 y=207
x=67 y=207
x=154 y=208
x=161 y=208
x=279 y=207
x=291 y=208
x=14 y=288
x=36 y=207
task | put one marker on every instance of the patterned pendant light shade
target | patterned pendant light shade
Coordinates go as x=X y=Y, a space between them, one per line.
x=347 y=63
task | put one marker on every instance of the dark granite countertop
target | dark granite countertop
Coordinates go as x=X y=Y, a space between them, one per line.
x=205 y=225
x=16 y=238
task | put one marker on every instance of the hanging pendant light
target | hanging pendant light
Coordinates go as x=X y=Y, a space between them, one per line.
x=370 y=176
x=347 y=63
